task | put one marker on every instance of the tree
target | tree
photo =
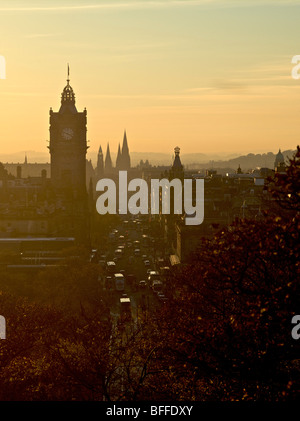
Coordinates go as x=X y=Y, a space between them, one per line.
x=48 y=355
x=227 y=332
x=285 y=187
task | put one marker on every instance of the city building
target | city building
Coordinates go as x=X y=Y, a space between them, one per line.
x=68 y=145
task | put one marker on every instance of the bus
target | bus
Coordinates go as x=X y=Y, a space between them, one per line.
x=125 y=310
x=119 y=281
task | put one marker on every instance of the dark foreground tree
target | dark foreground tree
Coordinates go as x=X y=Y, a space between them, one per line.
x=285 y=186
x=227 y=332
x=50 y=356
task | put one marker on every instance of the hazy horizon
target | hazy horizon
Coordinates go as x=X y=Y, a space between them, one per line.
x=154 y=158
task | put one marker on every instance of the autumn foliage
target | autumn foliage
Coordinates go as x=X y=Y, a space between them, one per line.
x=224 y=335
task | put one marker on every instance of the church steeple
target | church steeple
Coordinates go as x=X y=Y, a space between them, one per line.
x=125 y=144
x=119 y=158
x=108 y=161
x=100 y=163
x=279 y=159
x=125 y=161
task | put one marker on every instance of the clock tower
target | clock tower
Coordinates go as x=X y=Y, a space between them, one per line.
x=68 y=145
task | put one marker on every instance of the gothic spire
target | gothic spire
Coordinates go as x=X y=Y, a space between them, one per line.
x=125 y=153
x=119 y=158
x=125 y=148
x=68 y=79
x=100 y=163
x=108 y=161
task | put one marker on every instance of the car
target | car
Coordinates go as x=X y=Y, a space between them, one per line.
x=143 y=284
x=156 y=286
x=154 y=276
x=122 y=248
x=118 y=253
x=147 y=263
x=111 y=266
x=137 y=252
x=154 y=273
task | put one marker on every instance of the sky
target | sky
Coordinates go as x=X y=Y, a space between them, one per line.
x=209 y=76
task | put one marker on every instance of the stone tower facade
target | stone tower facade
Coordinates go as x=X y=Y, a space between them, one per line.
x=68 y=144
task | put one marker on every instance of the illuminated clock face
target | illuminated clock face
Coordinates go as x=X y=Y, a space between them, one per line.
x=67 y=133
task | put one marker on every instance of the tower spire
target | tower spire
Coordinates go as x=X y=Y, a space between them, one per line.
x=177 y=167
x=100 y=163
x=108 y=161
x=125 y=158
x=119 y=158
x=68 y=96
x=68 y=80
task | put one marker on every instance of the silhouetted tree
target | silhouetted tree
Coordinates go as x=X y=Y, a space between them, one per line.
x=285 y=187
x=227 y=332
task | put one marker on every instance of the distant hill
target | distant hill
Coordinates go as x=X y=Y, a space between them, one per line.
x=19 y=157
x=246 y=162
x=156 y=158
x=191 y=160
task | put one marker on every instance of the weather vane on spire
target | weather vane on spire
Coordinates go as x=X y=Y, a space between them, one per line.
x=68 y=80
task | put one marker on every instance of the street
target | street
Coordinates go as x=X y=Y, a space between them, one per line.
x=133 y=252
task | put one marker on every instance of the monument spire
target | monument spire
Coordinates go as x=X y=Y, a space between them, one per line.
x=68 y=79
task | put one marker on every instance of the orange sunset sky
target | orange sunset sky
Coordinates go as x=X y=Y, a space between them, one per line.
x=208 y=76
